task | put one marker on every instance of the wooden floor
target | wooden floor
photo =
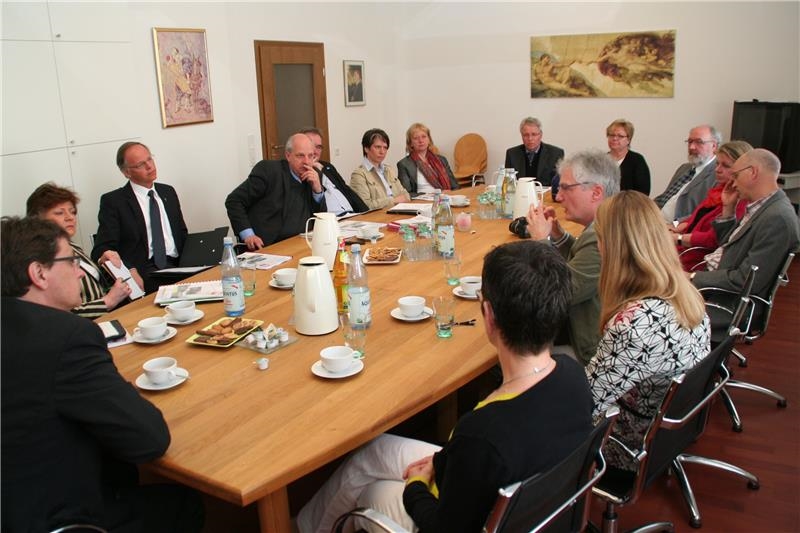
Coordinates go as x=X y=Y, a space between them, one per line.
x=769 y=447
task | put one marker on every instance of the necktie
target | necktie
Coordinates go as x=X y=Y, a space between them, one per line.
x=673 y=189
x=159 y=250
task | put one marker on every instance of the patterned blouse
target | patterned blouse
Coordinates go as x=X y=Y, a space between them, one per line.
x=642 y=349
x=92 y=288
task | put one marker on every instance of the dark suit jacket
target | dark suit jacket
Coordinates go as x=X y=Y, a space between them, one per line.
x=272 y=203
x=765 y=240
x=122 y=228
x=696 y=190
x=407 y=173
x=549 y=156
x=65 y=411
x=634 y=173
x=355 y=200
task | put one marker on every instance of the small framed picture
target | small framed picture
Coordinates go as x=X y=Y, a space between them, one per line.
x=183 y=79
x=354 y=83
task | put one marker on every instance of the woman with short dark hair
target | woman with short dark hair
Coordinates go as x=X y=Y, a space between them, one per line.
x=373 y=180
x=98 y=294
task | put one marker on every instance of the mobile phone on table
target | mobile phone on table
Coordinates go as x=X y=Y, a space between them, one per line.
x=112 y=330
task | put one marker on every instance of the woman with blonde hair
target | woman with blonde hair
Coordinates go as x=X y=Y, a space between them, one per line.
x=423 y=169
x=633 y=169
x=654 y=321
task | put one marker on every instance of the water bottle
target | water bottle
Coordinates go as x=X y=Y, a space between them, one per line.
x=359 y=311
x=232 y=286
x=445 y=230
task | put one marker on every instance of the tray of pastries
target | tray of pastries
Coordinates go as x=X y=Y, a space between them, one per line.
x=224 y=332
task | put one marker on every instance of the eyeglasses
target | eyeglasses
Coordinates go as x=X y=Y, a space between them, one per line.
x=141 y=165
x=570 y=186
x=74 y=259
x=698 y=141
x=614 y=136
x=735 y=173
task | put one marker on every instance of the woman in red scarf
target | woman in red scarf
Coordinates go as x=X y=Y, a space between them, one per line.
x=696 y=229
x=423 y=169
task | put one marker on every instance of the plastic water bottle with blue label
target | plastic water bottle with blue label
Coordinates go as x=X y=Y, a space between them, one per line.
x=232 y=286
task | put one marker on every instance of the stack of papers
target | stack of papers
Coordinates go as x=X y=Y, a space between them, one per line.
x=261 y=261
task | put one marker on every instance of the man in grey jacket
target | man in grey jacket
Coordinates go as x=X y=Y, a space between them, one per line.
x=691 y=182
x=764 y=236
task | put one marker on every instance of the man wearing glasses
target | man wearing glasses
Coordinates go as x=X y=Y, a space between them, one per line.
x=691 y=182
x=141 y=221
x=533 y=158
x=764 y=236
x=72 y=428
x=587 y=178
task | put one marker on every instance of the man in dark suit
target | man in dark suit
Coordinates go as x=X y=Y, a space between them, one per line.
x=126 y=217
x=339 y=197
x=72 y=427
x=277 y=198
x=533 y=158
x=691 y=182
x=764 y=236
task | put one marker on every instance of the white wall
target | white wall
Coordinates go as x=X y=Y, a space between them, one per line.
x=457 y=67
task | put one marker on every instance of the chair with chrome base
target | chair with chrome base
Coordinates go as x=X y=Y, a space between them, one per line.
x=718 y=301
x=679 y=421
x=551 y=501
x=470 y=159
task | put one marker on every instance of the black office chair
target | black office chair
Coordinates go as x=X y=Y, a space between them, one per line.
x=718 y=302
x=551 y=501
x=680 y=420
x=80 y=528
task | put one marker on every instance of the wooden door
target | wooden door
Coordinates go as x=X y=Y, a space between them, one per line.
x=291 y=93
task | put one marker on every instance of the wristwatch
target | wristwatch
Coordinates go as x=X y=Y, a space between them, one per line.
x=680 y=239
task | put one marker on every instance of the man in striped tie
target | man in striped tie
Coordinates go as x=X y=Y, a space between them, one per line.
x=691 y=182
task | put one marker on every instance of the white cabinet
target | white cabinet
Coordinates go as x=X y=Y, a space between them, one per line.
x=32 y=118
x=20 y=174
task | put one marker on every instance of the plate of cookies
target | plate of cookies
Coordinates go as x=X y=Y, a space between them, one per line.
x=225 y=332
x=382 y=256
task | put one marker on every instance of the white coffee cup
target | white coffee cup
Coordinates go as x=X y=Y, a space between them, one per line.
x=153 y=328
x=337 y=358
x=470 y=284
x=181 y=311
x=160 y=370
x=411 y=306
x=368 y=232
x=285 y=276
x=458 y=199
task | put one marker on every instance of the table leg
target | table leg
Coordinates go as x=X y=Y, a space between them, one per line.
x=273 y=512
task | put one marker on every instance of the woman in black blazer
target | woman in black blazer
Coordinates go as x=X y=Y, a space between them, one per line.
x=634 y=173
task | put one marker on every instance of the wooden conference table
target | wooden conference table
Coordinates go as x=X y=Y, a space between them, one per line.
x=242 y=435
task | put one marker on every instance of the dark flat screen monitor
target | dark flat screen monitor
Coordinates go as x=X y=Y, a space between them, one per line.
x=771 y=125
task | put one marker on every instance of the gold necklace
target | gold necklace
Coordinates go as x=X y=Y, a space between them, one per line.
x=536 y=370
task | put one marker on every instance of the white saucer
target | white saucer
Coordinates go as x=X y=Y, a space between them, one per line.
x=465 y=204
x=171 y=332
x=143 y=383
x=198 y=314
x=458 y=291
x=426 y=313
x=281 y=287
x=318 y=370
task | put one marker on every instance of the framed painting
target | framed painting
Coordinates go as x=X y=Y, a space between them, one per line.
x=354 y=83
x=184 y=86
x=603 y=65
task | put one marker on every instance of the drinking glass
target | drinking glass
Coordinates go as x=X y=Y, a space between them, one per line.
x=452 y=269
x=356 y=339
x=249 y=280
x=443 y=315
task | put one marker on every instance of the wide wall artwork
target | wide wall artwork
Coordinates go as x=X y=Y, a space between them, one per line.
x=604 y=65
